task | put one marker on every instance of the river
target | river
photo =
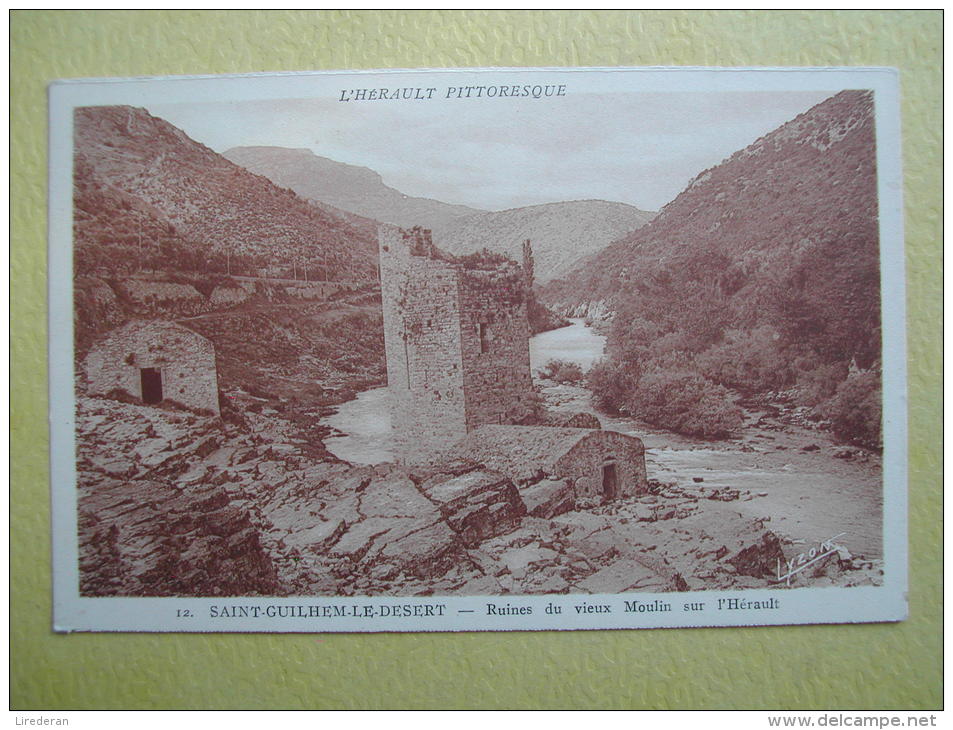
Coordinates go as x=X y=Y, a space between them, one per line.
x=364 y=423
x=788 y=475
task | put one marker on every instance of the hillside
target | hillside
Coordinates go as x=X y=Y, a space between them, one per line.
x=762 y=274
x=148 y=196
x=351 y=188
x=560 y=233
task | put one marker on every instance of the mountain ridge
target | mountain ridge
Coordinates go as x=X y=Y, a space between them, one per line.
x=353 y=188
x=559 y=232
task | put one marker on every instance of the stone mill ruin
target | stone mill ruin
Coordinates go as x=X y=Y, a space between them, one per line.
x=458 y=369
x=155 y=361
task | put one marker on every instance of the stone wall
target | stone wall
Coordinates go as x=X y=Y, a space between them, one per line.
x=163 y=297
x=456 y=341
x=318 y=290
x=95 y=307
x=494 y=333
x=585 y=465
x=422 y=347
x=528 y=454
x=228 y=296
x=184 y=360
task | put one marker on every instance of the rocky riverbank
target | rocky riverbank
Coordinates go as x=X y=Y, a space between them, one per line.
x=172 y=503
x=794 y=478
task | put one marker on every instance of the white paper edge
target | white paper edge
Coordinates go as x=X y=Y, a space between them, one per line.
x=72 y=612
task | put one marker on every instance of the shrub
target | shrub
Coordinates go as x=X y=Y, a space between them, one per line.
x=686 y=403
x=562 y=371
x=631 y=336
x=666 y=394
x=611 y=384
x=573 y=420
x=855 y=410
x=746 y=360
x=820 y=384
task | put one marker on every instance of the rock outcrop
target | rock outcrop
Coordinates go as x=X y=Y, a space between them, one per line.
x=172 y=503
x=477 y=505
x=149 y=538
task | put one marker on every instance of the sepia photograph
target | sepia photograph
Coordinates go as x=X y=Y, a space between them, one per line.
x=502 y=349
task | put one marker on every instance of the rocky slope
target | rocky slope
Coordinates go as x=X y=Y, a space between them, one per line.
x=348 y=187
x=762 y=276
x=149 y=525
x=561 y=234
x=148 y=196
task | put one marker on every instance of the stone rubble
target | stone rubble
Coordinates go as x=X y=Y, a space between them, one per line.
x=175 y=503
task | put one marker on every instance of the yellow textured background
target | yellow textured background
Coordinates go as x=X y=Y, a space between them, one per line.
x=811 y=667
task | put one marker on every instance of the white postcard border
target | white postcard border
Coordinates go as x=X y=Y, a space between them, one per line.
x=73 y=612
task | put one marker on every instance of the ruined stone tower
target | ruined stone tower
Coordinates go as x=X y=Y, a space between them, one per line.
x=456 y=340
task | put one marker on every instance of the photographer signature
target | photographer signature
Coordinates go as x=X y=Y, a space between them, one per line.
x=804 y=560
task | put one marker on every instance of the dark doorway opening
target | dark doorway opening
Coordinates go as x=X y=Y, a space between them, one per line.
x=151 y=384
x=484 y=342
x=610 y=482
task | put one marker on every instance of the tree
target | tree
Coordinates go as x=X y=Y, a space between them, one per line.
x=529 y=264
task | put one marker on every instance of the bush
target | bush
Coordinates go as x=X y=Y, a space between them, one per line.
x=562 y=371
x=573 y=420
x=820 y=384
x=855 y=410
x=686 y=403
x=630 y=337
x=750 y=361
x=611 y=384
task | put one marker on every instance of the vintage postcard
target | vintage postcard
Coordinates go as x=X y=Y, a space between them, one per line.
x=477 y=350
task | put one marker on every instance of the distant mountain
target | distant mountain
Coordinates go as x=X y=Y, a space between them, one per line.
x=783 y=233
x=351 y=188
x=560 y=233
x=148 y=196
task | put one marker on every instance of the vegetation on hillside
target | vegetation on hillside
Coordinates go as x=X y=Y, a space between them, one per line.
x=148 y=197
x=762 y=276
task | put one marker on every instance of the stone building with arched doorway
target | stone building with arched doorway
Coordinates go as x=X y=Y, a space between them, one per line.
x=155 y=361
x=599 y=465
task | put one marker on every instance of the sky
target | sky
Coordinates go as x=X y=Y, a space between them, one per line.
x=493 y=154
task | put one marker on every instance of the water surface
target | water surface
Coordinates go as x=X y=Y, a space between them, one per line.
x=364 y=423
x=577 y=343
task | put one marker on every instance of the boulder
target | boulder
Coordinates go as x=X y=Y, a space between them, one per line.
x=548 y=498
x=624 y=575
x=426 y=553
x=739 y=543
x=760 y=558
x=477 y=505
